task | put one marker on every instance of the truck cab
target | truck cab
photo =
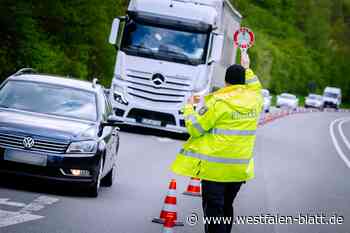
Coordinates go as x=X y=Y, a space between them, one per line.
x=168 y=51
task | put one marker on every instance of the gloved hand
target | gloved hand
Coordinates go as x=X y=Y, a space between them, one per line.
x=245 y=61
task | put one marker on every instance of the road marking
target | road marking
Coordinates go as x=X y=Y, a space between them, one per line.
x=336 y=144
x=8 y=218
x=39 y=204
x=5 y=201
x=341 y=132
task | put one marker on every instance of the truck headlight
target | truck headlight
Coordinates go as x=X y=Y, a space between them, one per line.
x=82 y=147
x=118 y=95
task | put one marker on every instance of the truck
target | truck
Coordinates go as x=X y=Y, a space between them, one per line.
x=168 y=51
x=332 y=97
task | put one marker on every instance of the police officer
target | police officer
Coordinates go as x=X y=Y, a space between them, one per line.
x=220 y=149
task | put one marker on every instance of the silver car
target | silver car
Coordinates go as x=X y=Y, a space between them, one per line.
x=287 y=100
x=314 y=101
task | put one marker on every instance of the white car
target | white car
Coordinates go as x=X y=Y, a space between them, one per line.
x=314 y=101
x=267 y=100
x=287 y=100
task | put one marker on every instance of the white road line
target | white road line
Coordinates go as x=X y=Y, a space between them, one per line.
x=39 y=204
x=341 y=132
x=8 y=218
x=12 y=218
x=336 y=144
x=5 y=201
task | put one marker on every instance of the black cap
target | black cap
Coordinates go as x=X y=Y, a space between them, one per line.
x=235 y=75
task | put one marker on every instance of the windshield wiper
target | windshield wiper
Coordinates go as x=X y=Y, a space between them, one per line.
x=181 y=56
x=139 y=49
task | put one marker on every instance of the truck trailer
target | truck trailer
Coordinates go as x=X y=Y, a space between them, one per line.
x=168 y=51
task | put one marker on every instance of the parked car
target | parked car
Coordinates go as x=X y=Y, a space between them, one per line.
x=332 y=97
x=287 y=100
x=267 y=100
x=314 y=101
x=58 y=129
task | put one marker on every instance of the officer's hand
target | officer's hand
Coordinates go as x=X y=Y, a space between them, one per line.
x=193 y=100
x=190 y=100
x=245 y=61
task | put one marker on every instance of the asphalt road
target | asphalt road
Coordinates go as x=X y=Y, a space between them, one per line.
x=302 y=166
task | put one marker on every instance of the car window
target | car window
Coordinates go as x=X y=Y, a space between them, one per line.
x=288 y=96
x=49 y=99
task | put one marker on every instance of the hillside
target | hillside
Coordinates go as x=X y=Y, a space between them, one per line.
x=301 y=45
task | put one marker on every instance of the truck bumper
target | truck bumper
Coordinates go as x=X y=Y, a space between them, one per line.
x=137 y=115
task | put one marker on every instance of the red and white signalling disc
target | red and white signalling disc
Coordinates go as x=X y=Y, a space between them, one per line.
x=244 y=38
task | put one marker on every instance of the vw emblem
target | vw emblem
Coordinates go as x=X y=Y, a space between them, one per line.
x=28 y=142
x=158 y=80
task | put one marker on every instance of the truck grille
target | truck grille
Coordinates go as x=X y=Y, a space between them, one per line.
x=173 y=90
x=40 y=145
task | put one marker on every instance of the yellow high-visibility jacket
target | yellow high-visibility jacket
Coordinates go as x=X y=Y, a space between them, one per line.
x=252 y=81
x=222 y=136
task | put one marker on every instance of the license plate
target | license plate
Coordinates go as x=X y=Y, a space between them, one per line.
x=151 y=122
x=25 y=157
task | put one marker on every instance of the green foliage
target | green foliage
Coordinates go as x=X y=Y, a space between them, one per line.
x=62 y=37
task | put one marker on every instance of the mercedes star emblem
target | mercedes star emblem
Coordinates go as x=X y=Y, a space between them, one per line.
x=158 y=80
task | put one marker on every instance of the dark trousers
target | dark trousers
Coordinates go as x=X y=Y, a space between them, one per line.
x=217 y=200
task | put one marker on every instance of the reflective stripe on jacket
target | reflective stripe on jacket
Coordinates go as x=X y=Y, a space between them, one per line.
x=222 y=136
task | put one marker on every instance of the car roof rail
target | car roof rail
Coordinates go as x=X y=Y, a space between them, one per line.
x=25 y=71
x=95 y=82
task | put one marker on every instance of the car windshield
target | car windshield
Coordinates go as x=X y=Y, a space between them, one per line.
x=288 y=96
x=315 y=97
x=330 y=95
x=164 y=43
x=49 y=99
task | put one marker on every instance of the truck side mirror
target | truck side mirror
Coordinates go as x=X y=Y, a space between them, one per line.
x=217 y=46
x=114 y=31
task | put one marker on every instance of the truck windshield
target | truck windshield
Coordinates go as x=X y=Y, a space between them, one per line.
x=164 y=43
x=330 y=95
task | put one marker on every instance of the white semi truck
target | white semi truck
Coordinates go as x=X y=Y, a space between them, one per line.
x=167 y=51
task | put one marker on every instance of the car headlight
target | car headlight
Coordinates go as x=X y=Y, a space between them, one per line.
x=82 y=147
x=118 y=95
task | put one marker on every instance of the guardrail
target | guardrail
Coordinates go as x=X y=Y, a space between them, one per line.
x=269 y=117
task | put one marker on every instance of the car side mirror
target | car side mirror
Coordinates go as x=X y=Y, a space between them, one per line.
x=217 y=46
x=114 y=31
x=112 y=121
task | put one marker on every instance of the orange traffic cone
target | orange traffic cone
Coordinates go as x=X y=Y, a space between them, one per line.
x=168 y=226
x=194 y=188
x=169 y=209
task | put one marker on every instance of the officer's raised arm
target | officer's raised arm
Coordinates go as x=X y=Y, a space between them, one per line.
x=252 y=81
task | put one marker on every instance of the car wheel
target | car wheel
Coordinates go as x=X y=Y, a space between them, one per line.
x=95 y=186
x=108 y=180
